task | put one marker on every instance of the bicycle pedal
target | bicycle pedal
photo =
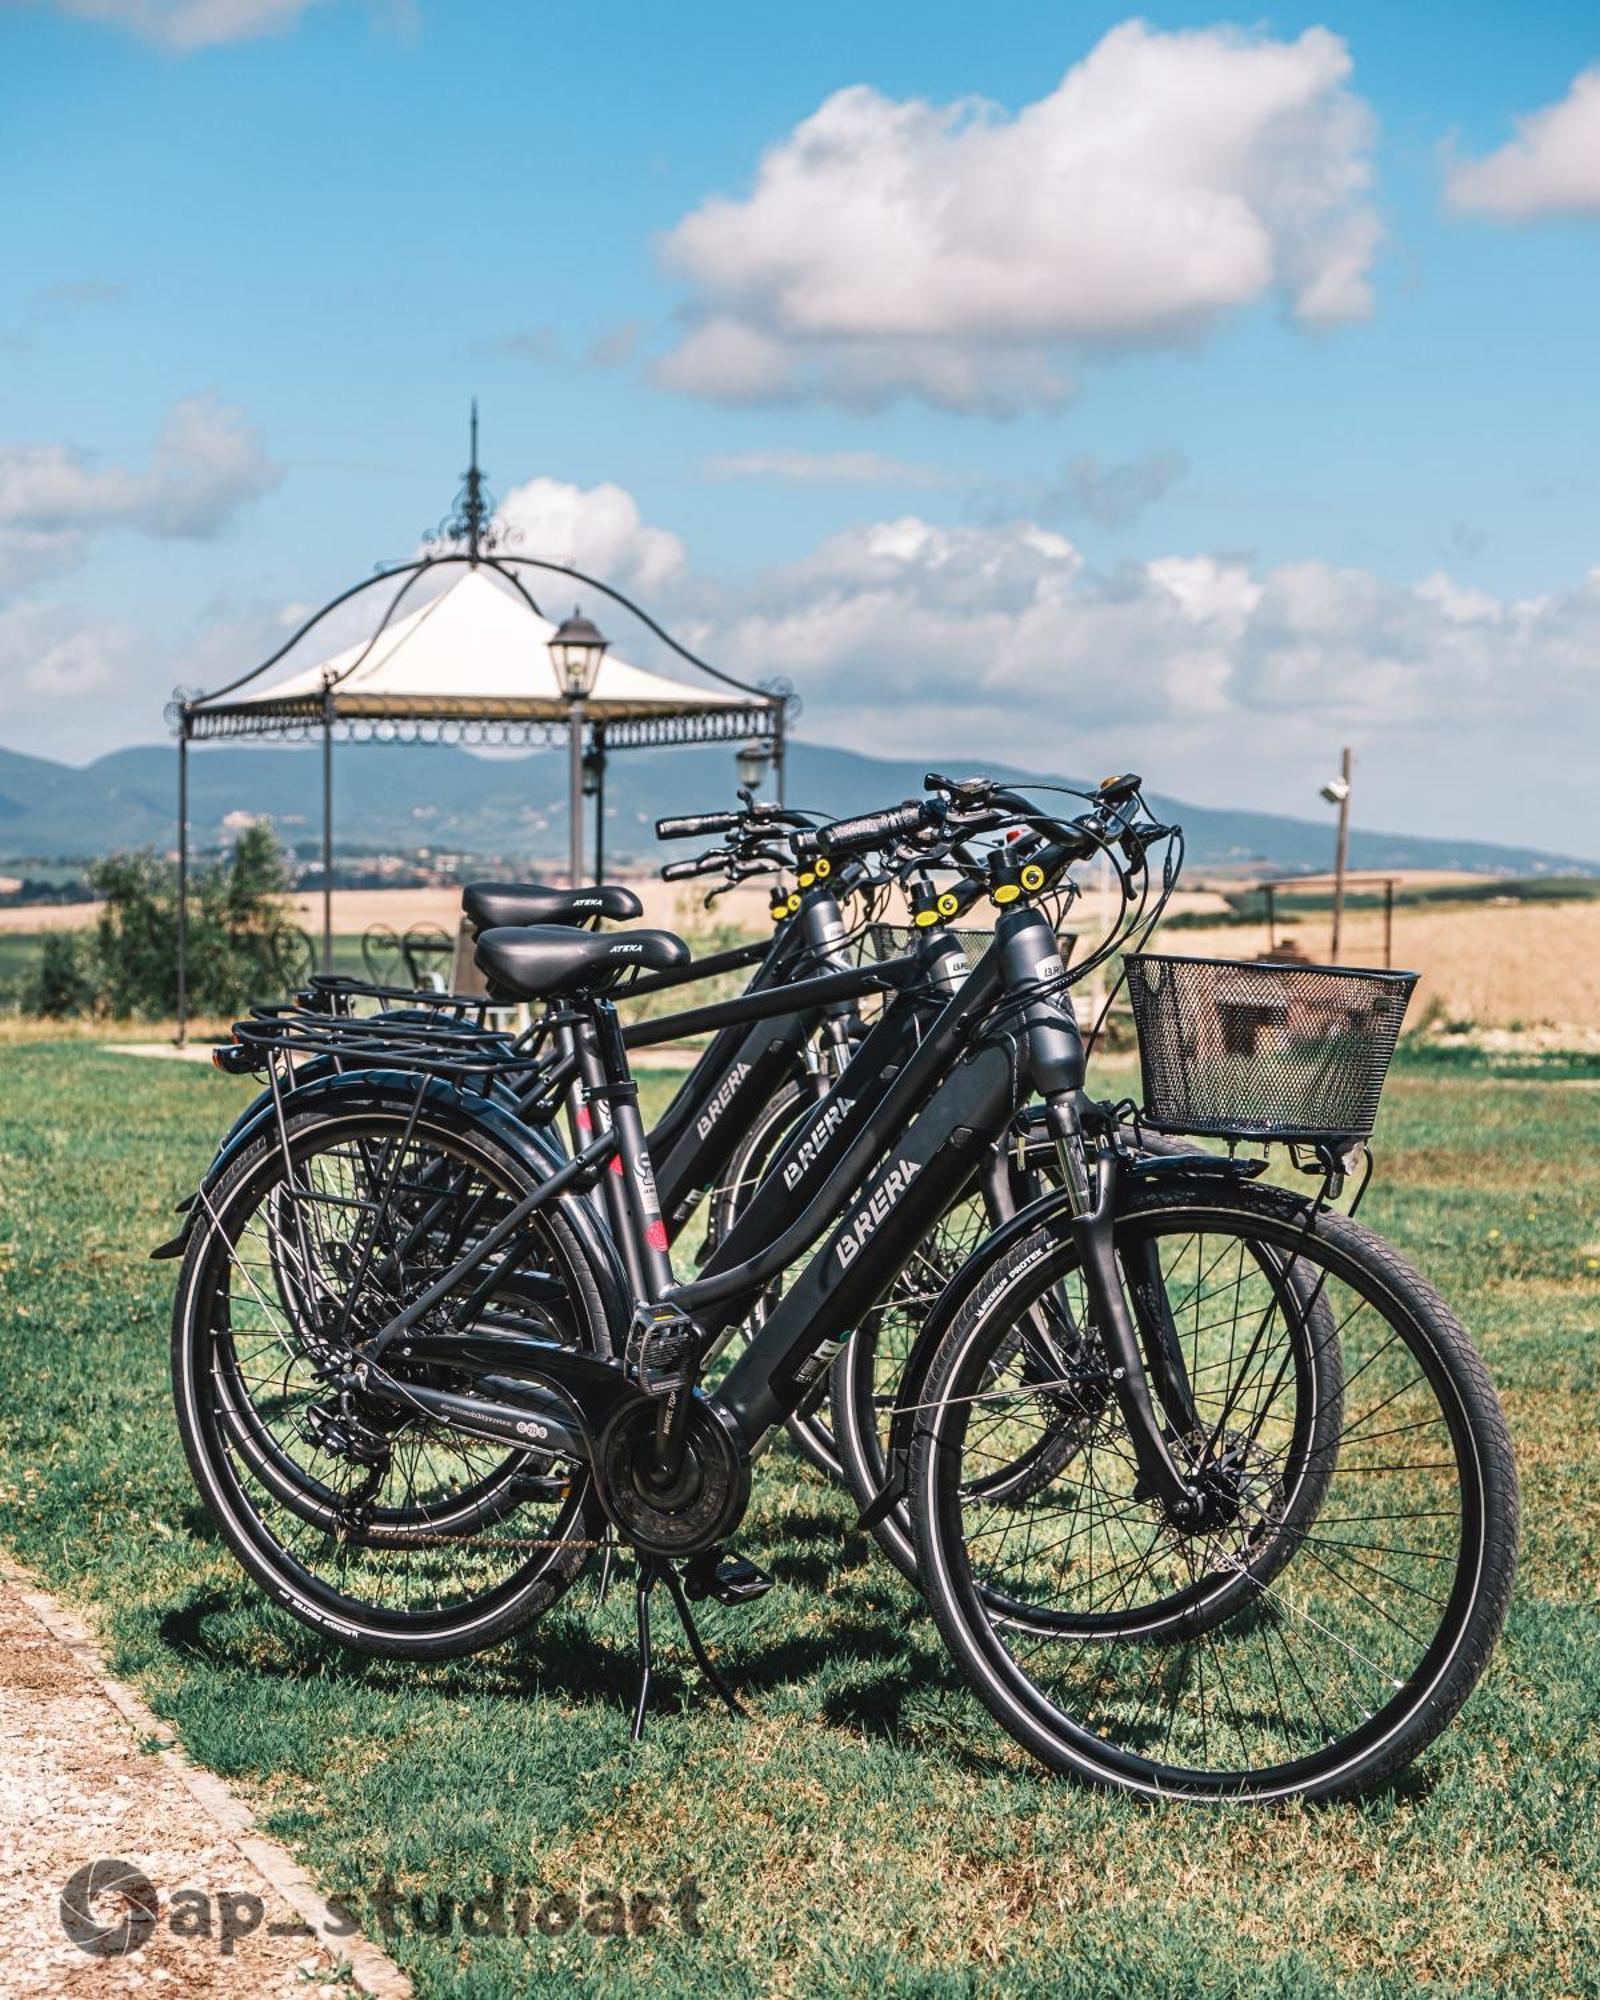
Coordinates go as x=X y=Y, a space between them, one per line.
x=726 y=1577
x=663 y=1350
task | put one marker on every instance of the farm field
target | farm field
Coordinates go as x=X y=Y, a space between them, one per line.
x=866 y=1829
x=1503 y=966
x=1498 y=965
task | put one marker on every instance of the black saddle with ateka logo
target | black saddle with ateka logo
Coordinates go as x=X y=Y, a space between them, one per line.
x=540 y=961
x=488 y=905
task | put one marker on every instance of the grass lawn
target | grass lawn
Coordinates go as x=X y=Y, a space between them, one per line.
x=868 y=1830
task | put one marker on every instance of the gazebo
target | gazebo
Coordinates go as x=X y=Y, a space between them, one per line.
x=477 y=664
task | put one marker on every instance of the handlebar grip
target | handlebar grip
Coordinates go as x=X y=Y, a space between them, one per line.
x=696 y=826
x=702 y=864
x=860 y=836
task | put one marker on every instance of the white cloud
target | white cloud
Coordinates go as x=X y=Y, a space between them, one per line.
x=1551 y=167
x=1223 y=680
x=596 y=528
x=205 y=465
x=954 y=251
x=192 y=24
x=58 y=672
x=822 y=468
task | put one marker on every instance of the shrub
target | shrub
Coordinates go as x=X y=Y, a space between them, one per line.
x=62 y=983
x=235 y=905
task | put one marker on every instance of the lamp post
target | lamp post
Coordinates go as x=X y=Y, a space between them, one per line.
x=750 y=762
x=1337 y=793
x=594 y=787
x=577 y=649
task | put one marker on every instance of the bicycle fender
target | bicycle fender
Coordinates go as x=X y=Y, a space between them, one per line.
x=534 y=1147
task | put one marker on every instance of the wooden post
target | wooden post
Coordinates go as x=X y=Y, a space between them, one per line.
x=1271 y=889
x=1388 y=924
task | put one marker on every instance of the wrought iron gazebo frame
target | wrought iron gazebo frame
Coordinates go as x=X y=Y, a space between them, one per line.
x=470 y=537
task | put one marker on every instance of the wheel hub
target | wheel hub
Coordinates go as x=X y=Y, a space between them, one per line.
x=1240 y=1497
x=697 y=1508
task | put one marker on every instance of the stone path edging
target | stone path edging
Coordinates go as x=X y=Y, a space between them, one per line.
x=373 y=1971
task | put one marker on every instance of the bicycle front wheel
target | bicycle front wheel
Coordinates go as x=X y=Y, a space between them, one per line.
x=1345 y=1589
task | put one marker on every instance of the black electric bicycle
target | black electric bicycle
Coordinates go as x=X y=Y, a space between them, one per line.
x=816 y=942
x=1167 y=1553
x=768 y=1062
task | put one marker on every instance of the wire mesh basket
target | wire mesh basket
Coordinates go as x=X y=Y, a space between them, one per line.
x=1257 y=1049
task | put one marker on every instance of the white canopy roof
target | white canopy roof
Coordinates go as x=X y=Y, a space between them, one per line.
x=475 y=652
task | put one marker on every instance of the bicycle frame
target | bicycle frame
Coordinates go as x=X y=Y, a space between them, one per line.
x=754 y=1051
x=927 y=1134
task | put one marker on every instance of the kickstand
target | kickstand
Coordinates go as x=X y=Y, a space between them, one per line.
x=697 y=1646
x=641 y=1605
x=651 y=1573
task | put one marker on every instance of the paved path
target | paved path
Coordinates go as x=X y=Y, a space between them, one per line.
x=78 y=1785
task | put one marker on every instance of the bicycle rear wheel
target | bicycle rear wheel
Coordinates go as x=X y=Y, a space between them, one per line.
x=393 y=1531
x=1344 y=1593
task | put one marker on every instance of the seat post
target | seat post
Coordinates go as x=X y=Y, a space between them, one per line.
x=649 y=1231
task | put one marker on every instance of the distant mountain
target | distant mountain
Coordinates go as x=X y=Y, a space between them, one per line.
x=393 y=796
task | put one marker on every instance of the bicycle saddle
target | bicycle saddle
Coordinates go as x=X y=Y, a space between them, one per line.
x=541 y=960
x=490 y=904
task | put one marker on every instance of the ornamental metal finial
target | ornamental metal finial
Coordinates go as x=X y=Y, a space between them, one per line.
x=473 y=520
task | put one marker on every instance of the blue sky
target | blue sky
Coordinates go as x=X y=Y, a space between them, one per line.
x=318 y=229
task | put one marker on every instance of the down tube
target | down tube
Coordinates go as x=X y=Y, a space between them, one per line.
x=906 y=1194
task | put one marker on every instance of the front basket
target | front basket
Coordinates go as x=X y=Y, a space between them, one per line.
x=1259 y=1049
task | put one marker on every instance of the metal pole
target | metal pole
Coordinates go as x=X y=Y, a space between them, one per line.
x=1388 y=924
x=599 y=803
x=327 y=830
x=183 y=882
x=575 y=789
x=779 y=762
x=1341 y=855
x=1272 y=915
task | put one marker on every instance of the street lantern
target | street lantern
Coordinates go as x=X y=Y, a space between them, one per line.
x=576 y=649
x=750 y=761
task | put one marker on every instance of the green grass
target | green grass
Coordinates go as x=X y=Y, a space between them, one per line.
x=867 y=1830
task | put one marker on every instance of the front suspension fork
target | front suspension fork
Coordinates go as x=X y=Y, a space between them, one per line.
x=1092 y=1202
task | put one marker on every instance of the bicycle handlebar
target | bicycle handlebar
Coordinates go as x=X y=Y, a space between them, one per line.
x=860 y=836
x=695 y=826
x=702 y=864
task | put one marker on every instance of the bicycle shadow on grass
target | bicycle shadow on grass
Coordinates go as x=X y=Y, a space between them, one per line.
x=590 y=1662
x=916 y=1704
